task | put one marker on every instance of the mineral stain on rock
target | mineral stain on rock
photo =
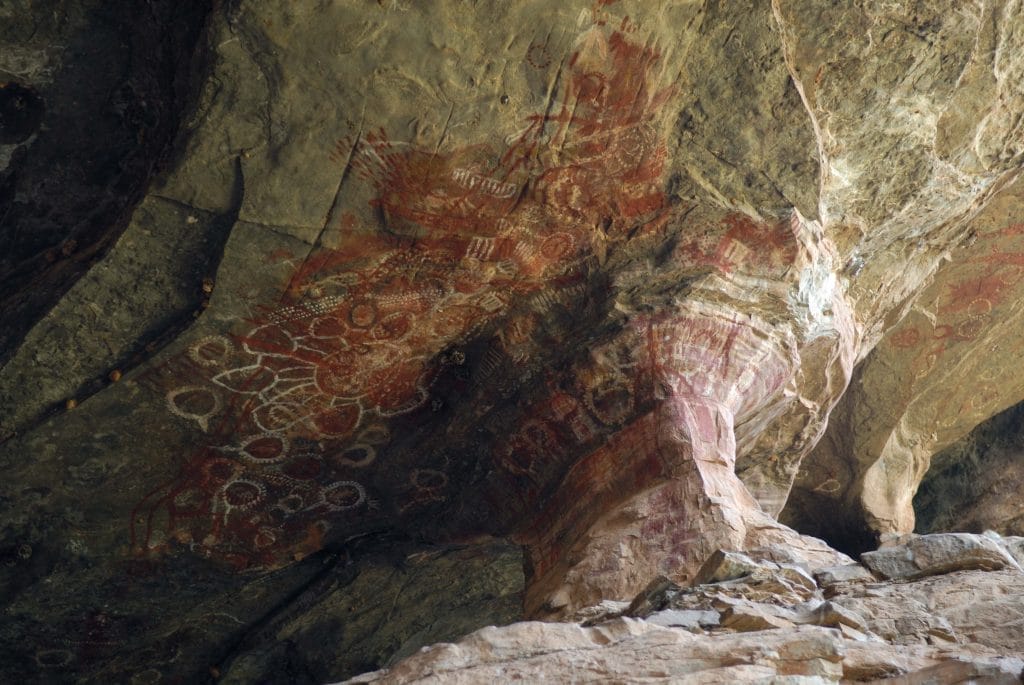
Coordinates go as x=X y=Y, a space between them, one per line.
x=331 y=331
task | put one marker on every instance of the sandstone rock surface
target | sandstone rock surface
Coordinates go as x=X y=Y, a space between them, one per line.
x=965 y=626
x=301 y=299
x=940 y=553
x=971 y=485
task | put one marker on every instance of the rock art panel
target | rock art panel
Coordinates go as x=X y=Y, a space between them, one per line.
x=295 y=403
x=520 y=270
x=937 y=374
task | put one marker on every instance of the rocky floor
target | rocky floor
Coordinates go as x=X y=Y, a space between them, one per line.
x=934 y=609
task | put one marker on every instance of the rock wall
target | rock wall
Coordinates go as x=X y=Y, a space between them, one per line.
x=91 y=96
x=622 y=282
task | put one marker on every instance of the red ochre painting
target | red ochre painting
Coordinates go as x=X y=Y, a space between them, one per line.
x=297 y=406
x=689 y=369
x=979 y=285
x=973 y=296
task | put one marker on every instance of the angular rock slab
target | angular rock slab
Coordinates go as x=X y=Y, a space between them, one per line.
x=849 y=573
x=624 y=650
x=627 y=650
x=928 y=555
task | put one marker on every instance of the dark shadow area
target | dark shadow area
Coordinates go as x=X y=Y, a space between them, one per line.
x=21 y=113
x=91 y=121
x=377 y=601
x=833 y=522
x=972 y=484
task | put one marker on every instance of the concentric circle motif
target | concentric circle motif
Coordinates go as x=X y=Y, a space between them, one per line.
x=428 y=479
x=363 y=314
x=264 y=448
x=557 y=246
x=344 y=495
x=327 y=327
x=971 y=328
x=355 y=456
x=195 y=403
x=264 y=538
x=211 y=351
x=611 y=401
x=278 y=416
x=243 y=494
x=291 y=503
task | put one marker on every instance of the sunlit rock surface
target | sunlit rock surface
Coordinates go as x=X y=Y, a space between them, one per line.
x=623 y=283
x=757 y=621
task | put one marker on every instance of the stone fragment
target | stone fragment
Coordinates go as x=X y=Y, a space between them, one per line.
x=891 y=562
x=744 y=616
x=848 y=573
x=652 y=598
x=926 y=555
x=796 y=576
x=750 y=618
x=853 y=633
x=724 y=565
x=599 y=612
x=690 y=619
x=831 y=615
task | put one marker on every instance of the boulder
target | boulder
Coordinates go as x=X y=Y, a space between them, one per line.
x=939 y=553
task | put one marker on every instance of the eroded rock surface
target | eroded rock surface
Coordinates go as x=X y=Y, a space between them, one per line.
x=955 y=627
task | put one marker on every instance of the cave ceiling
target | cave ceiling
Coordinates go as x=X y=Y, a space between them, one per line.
x=293 y=287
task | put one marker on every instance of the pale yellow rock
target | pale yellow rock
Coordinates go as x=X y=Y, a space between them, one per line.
x=968 y=629
x=626 y=651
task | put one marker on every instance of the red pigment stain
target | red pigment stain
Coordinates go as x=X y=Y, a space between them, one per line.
x=319 y=374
